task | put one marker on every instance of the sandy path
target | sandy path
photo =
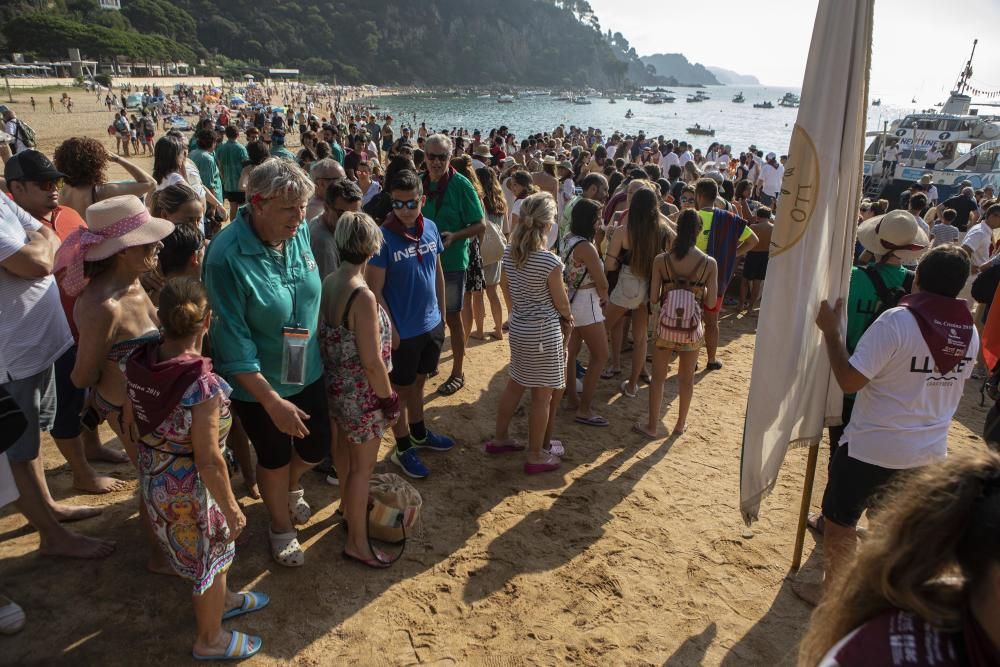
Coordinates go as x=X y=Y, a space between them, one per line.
x=632 y=554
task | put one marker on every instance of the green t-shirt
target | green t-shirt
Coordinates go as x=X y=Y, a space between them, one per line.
x=209 y=170
x=706 y=230
x=863 y=302
x=460 y=208
x=231 y=155
x=338 y=152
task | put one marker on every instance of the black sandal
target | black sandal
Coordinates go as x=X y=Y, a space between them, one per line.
x=451 y=385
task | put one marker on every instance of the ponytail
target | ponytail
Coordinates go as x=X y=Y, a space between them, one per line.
x=688 y=228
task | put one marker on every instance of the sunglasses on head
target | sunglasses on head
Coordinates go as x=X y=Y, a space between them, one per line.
x=439 y=157
x=410 y=204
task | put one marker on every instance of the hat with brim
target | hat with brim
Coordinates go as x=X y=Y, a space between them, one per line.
x=481 y=151
x=125 y=223
x=567 y=165
x=895 y=232
x=550 y=160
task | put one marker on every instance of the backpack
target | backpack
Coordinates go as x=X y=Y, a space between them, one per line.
x=888 y=298
x=493 y=244
x=680 y=308
x=120 y=124
x=27 y=134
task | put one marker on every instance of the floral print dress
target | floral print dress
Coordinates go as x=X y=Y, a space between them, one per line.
x=188 y=522
x=353 y=402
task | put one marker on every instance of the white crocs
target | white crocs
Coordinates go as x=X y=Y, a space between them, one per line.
x=286 y=550
x=298 y=508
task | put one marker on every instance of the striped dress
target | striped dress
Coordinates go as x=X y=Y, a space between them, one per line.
x=537 y=355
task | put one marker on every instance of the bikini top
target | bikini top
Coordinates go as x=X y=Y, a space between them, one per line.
x=123 y=348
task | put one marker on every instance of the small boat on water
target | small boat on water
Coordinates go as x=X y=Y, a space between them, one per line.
x=702 y=131
x=629 y=114
x=505 y=99
x=739 y=99
x=612 y=101
x=877 y=103
x=694 y=99
x=580 y=99
x=764 y=105
x=790 y=100
x=634 y=98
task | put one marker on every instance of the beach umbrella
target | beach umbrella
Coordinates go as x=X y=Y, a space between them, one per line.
x=793 y=394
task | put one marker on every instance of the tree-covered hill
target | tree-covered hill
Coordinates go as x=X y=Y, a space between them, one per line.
x=429 y=42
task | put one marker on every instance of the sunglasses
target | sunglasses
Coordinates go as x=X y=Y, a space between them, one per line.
x=687 y=200
x=48 y=186
x=410 y=204
x=437 y=157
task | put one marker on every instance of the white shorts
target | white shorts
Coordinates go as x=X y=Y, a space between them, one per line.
x=631 y=291
x=586 y=307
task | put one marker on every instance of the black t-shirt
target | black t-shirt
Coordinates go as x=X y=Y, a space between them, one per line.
x=963 y=207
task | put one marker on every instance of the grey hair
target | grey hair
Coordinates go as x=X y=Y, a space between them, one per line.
x=442 y=140
x=357 y=237
x=279 y=178
x=968 y=192
x=326 y=164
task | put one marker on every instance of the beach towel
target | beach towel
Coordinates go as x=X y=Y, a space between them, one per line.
x=722 y=243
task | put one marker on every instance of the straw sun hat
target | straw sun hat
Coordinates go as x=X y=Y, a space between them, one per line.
x=896 y=232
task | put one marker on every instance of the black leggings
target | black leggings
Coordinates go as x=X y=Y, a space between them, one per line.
x=274 y=448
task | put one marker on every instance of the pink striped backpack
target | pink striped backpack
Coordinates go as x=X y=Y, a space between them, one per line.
x=681 y=306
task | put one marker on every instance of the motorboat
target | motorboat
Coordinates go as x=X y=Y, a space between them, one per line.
x=764 y=105
x=580 y=99
x=739 y=99
x=702 y=131
x=505 y=99
x=790 y=100
x=694 y=98
x=629 y=114
x=877 y=102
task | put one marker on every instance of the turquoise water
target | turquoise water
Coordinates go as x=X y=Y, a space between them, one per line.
x=738 y=125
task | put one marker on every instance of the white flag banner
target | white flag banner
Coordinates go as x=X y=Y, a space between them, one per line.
x=792 y=392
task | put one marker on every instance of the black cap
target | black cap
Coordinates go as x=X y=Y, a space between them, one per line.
x=31 y=165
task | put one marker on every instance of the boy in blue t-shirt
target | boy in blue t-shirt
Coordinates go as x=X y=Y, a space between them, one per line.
x=408 y=281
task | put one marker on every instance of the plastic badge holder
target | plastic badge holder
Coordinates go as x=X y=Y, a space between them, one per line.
x=293 y=355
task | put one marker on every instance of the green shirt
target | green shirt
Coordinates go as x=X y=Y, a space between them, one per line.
x=283 y=153
x=706 y=231
x=338 y=152
x=460 y=208
x=231 y=155
x=209 y=170
x=251 y=288
x=567 y=216
x=863 y=302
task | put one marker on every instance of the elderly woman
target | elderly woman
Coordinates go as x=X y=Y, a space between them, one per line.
x=178 y=413
x=357 y=350
x=84 y=161
x=102 y=264
x=264 y=286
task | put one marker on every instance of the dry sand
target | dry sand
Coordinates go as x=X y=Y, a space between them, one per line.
x=634 y=553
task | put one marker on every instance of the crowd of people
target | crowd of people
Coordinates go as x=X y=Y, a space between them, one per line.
x=244 y=307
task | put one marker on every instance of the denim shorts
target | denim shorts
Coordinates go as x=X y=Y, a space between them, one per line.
x=36 y=396
x=454 y=291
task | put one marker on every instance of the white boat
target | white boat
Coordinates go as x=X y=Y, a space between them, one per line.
x=505 y=99
x=969 y=144
x=580 y=99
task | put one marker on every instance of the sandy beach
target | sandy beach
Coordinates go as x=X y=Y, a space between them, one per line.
x=634 y=553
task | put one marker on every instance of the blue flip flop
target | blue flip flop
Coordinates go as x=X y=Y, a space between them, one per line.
x=241 y=646
x=252 y=601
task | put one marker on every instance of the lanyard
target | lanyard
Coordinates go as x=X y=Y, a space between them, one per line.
x=282 y=267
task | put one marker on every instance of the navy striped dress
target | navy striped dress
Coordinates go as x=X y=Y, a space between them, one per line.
x=537 y=354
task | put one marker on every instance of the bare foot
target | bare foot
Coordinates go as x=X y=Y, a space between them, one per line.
x=644 y=429
x=809 y=591
x=478 y=335
x=252 y=490
x=91 y=482
x=74 y=545
x=498 y=334
x=679 y=429
x=67 y=513
x=106 y=454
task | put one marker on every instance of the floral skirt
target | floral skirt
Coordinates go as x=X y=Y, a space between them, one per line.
x=188 y=523
x=475 y=280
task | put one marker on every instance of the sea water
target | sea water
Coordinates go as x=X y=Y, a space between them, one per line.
x=736 y=124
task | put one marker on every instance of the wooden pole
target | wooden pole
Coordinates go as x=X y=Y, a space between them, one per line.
x=807 y=489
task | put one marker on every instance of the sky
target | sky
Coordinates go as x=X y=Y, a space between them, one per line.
x=919 y=46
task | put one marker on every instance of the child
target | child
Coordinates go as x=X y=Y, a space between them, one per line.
x=945 y=231
x=755 y=267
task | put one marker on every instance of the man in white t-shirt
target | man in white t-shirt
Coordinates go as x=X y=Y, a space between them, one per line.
x=685 y=154
x=769 y=181
x=932 y=157
x=909 y=369
x=668 y=158
x=978 y=241
x=890 y=155
x=33 y=334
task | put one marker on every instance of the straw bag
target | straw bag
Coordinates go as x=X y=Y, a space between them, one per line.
x=393 y=507
x=493 y=244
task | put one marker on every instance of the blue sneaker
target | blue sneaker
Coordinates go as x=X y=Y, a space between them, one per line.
x=410 y=463
x=440 y=443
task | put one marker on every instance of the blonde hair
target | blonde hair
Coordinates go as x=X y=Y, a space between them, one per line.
x=279 y=178
x=938 y=521
x=538 y=211
x=183 y=307
x=357 y=237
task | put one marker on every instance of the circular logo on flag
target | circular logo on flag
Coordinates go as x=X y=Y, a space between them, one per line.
x=799 y=191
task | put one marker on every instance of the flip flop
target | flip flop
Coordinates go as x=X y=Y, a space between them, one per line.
x=252 y=601
x=241 y=646
x=625 y=390
x=596 y=420
x=713 y=366
x=640 y=431
x=555 y=448
x=608 y=373
x=376 y=563
x=494 y=447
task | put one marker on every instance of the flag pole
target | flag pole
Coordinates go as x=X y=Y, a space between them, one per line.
x=807 y=491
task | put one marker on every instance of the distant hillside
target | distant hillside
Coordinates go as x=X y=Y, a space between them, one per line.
x=728 y=77
x=431 y=42
x=676 y=66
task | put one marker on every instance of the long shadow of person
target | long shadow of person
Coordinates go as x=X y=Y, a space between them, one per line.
x=692 y=651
